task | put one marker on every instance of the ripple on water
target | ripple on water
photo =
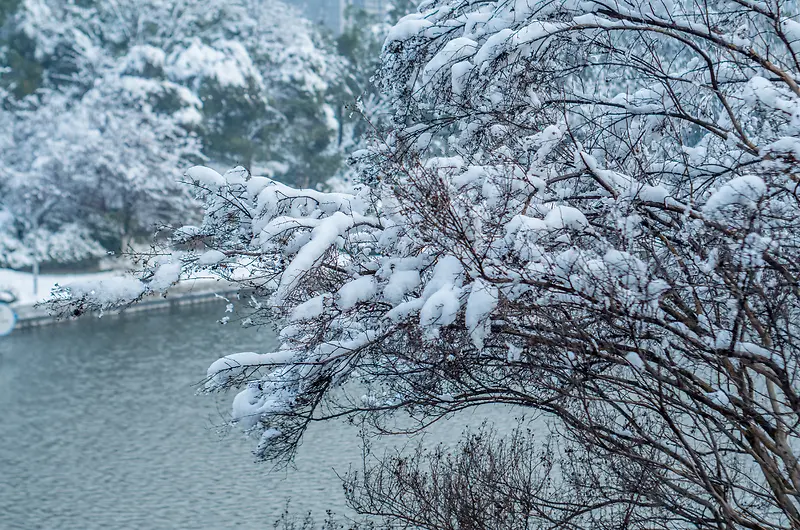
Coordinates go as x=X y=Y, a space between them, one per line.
x=101 y=428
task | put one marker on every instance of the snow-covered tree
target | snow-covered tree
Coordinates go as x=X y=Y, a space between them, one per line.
x=36 y=223
x=259 y=72
x=86 y=172
x=587 y=209
x=362 y=111
x=112 y=100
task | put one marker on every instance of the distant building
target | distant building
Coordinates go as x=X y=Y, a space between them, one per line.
x=331 y=13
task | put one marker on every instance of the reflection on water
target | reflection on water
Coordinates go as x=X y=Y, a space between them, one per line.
x=100 y=427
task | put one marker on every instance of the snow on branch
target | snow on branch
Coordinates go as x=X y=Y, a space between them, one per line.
x=586 y=209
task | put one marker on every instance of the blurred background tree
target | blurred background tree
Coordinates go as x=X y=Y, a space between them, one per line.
x=168 y=84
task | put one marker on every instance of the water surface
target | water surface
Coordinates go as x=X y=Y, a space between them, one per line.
x=100 y=427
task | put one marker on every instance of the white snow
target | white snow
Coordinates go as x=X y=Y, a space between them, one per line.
x=308 y=310
x=108 y=291
x=322 y=237
x=166 y=275
x=206 y=176
x=211 y=257
x=514 y=352
x=228 y=62
x=791 y=28
x=454 y=51
x=402 y=311
x=566 y=217
x=233 y=365
x=441 y=308
x=252 y=403
x=407 y=27
x=745 y=190
x=20 y=284
x=481 y=302
x=359 y=290
x=446 y=273
x=400 y=283
x=493 y=46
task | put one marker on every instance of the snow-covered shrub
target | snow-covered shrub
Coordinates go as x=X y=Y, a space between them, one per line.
x=585 y=208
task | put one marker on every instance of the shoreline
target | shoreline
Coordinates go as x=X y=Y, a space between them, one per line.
x=188 y=292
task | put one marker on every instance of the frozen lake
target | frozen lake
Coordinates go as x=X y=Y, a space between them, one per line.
x=100 y=427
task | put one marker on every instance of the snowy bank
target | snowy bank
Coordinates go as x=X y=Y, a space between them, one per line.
x=21 y=286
